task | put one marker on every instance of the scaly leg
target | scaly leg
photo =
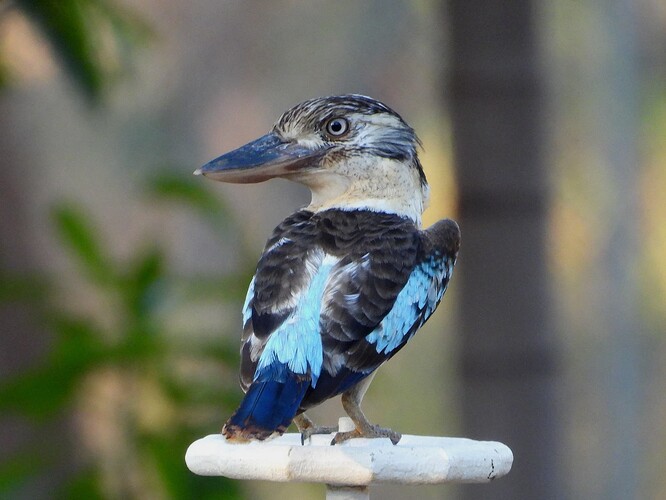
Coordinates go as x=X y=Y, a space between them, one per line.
x=307 y=428
x=351 y=402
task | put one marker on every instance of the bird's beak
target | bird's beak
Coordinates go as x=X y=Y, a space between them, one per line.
x=262 y=159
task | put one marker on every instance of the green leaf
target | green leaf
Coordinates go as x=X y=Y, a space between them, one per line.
x=23 y=288
x=38 y=394
x=222 y=349
x=16 y=470
x=47 y=389
x=78 y=342
x=78 y=235
x=87 y=36
x=165 y=451
x=191 y=192
x=229 y=288
x=5 y=76
x=142 y=289
x=148 y=268
x=197 y=392
x=169 y=464
x=140 y=346
x=85 y=484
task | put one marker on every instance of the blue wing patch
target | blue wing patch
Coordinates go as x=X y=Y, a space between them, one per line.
x=414 y=304
x=296 y=344
x=247 y=306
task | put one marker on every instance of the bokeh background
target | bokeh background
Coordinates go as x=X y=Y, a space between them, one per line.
x=122 y=276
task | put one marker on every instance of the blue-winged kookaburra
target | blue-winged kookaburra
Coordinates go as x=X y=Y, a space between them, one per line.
x=345 y=282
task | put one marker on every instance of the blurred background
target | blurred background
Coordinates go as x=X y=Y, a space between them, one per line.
x=122 y=276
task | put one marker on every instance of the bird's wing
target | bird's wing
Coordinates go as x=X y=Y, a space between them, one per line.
x=368 y=314
x=283 y=277
x=423 y=291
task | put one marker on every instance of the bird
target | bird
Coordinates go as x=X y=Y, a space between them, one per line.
x=343 y=283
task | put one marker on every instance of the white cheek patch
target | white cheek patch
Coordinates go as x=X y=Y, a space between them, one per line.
x=311 y=141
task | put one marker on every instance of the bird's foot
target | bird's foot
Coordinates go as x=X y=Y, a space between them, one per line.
x=306 y=434
x=307 y=428
x=372 y=431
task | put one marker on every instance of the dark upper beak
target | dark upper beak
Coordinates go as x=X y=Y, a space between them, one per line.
x=262 y=159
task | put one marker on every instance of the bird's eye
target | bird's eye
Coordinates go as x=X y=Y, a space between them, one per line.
x=337 y=127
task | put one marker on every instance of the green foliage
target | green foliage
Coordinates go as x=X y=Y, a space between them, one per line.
x=78 y=235
x=174 y=188
x=168 y=186
x=90 y=37
x=127 y=338
x=45 y=390
x=4 y=74
x=16 y=469
x=86 y=484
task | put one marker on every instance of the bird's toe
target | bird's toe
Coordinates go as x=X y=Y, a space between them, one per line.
x=374 y=431
x=341 y=437
x=383 y=432
x=308 y=432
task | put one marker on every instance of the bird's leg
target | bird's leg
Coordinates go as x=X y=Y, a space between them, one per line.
x=351 y=402
x=307 y=427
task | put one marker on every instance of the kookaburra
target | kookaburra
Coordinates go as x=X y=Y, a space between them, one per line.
x=345 y=282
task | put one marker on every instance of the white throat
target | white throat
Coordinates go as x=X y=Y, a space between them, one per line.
x=385 y=185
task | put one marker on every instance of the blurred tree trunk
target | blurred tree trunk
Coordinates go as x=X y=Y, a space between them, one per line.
x=508 y=353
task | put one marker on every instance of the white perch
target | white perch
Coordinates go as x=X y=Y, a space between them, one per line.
x=353 y=464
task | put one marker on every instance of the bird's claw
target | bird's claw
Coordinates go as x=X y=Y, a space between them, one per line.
x=374 y=431
x=308 y=432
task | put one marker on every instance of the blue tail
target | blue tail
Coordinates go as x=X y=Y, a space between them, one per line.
x=269 y=406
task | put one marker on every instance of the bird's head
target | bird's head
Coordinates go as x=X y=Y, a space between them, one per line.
x=353 y=152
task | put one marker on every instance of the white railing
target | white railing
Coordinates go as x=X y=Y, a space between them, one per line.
x=348 y=469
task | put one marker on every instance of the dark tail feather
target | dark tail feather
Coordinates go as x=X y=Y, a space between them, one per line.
x=268 y=407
